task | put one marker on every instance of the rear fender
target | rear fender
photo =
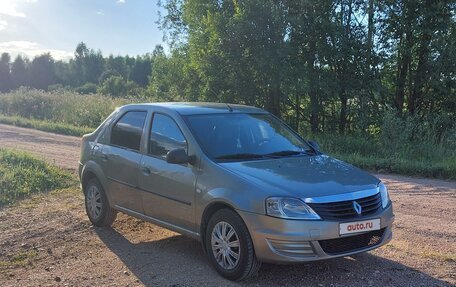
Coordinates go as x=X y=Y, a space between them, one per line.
x=91 y=167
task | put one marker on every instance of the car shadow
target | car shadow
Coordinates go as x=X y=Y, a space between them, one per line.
x=180 y=261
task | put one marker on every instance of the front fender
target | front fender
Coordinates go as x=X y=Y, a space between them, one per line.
x=235 y=199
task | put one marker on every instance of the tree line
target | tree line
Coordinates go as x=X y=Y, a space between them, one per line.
x=327 y=65
x=87 y=72
x=320 y=65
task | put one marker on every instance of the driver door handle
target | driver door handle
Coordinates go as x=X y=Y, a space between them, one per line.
x=104 y=157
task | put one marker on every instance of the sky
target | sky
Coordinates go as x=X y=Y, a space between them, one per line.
x=118 y=27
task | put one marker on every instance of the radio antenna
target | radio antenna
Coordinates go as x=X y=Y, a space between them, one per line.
x=229 y=108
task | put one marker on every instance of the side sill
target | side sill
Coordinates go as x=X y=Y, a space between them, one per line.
x=158 y=222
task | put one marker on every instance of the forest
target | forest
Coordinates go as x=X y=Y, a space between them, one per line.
x=374 y=69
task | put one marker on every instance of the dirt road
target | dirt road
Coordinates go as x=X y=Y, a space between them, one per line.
x=58 y=149
x=48 y=241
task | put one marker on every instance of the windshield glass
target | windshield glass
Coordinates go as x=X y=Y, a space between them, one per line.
x=244 y=136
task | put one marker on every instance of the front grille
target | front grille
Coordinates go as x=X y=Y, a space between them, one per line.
x=344 y=209
x=351 y=243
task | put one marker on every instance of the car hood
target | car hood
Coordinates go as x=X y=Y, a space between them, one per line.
x=303 y=176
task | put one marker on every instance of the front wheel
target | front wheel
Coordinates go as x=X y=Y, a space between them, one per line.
x=97 y=206
x=229 y=246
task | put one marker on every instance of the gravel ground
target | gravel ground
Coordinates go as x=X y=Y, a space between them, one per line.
x=48 y=241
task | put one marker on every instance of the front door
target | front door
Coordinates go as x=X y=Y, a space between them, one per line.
x=168 y=188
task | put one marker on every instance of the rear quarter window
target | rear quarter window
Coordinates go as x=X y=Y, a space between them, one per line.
x=104 y=127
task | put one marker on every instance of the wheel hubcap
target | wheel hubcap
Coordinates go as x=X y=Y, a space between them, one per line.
x=225 y=245
x=93 y=202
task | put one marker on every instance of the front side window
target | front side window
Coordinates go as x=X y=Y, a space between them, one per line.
x=127 y=131
x=165 y=135
x=244 y=136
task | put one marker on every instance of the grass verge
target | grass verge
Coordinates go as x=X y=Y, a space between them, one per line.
x=22 y=175
x=397 y=165
x=58 y=128
x=409 y=158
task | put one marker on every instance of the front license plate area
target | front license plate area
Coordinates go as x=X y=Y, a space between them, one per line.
x=359 y=226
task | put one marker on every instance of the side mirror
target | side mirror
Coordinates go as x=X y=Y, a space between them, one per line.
x=315 y=145
x=179 y=156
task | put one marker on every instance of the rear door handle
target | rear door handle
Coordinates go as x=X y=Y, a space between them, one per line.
x=145 y=170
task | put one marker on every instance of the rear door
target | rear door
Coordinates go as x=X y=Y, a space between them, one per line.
x=168 y=188
x=121 y=157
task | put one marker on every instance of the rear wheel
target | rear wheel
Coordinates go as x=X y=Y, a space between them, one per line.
x=229 y=246
x=97 y=206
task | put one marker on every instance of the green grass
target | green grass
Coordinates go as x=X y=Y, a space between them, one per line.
x=58 y=128
x=60 y=111
x=22 y=175
x=443 y=170
x=409 y=158
x=60 y=106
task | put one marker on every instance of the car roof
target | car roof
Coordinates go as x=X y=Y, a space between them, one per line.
x=196 y=108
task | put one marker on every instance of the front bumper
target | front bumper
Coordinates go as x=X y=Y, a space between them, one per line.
x=279 y=240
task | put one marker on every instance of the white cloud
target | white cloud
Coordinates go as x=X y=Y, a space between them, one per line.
x=100 y=12
x=3 y=24
x=120 y=1
x=9 y=8
x=32 y=49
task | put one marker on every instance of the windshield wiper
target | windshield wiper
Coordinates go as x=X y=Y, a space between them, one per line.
x=289 y=153
x=241 y=156
x=268 y=155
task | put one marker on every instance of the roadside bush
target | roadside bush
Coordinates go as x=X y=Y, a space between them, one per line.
x=433 y=129
x=87 y=88
x=410 y=145
x=117 y=86
x=56 y=87
x=60 y=106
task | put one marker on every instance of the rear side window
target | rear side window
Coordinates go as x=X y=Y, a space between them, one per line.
x=165 y=135
x=127 y=131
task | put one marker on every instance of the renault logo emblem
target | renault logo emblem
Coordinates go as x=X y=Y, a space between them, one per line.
x=357 y=207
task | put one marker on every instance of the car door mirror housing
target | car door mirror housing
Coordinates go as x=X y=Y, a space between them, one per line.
x=179 y=156
x=314 y=145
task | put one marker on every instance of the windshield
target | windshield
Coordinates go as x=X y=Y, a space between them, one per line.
x=245 y=136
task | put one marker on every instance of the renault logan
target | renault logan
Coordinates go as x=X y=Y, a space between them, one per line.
x=237 y=179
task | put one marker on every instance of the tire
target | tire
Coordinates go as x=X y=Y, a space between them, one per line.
x=221 y=250
x=97 y=206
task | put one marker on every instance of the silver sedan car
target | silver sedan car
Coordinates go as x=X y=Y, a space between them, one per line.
x=234 y=177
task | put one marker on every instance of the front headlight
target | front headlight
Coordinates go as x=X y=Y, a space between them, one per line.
x=290 y=208
x=384 y=194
